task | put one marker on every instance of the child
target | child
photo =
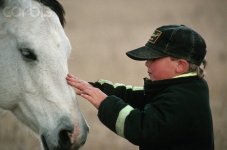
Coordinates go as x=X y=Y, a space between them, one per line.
x=171 y=111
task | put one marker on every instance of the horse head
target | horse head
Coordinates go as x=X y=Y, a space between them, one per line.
x=33 y=65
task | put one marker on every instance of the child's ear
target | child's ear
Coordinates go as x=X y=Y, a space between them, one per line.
x=182 y=66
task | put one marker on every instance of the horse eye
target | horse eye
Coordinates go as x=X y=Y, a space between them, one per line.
x=28 y=54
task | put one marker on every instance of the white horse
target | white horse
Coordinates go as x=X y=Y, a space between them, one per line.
x=33 y=66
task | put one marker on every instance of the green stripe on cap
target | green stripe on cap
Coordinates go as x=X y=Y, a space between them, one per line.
x=120 y=123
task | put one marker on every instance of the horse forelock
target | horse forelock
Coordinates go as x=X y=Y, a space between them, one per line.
x=2 y=3
x=55 y=6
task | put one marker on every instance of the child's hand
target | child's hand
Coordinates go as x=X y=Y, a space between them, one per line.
x=75 y=82
x=86 y=90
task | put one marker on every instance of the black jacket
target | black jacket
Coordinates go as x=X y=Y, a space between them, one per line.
x=172 y=114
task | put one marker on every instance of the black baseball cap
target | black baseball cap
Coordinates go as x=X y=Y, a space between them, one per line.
x=178 y=41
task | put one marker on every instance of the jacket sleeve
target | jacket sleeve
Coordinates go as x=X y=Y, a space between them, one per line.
x=132 y=95
x=158 y=123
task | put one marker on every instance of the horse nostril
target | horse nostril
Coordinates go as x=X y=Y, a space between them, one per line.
x=64 y=140
x=44 y=142
x=83 y=142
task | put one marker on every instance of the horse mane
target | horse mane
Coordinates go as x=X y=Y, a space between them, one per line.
x=52 y=4
x=2 y=3
x=55 y=6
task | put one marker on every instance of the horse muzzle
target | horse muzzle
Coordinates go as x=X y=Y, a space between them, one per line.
x=65 y=137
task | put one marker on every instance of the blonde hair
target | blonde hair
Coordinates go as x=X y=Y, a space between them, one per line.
x=200 y=70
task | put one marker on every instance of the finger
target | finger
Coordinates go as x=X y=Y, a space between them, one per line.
x=79 y=86
x=70 y=75
x=93 y=92
x=87 y=97
x=82 y=85
x=89 y=91
x=92 y=100
x=73 y=81
x=71 y=78
x=79 y=92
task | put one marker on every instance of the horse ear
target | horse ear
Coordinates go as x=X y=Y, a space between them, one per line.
x=56 y=7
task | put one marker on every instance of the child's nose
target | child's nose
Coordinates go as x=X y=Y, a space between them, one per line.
x=147 y=63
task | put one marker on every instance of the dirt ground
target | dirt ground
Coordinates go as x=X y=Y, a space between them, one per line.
x=101 y=31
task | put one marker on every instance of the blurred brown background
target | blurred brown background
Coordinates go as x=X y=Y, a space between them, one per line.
x=101 y=31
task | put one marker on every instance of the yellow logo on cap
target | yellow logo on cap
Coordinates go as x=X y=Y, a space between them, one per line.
x=155 y=36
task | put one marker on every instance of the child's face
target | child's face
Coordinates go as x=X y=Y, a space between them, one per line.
x=161 y=68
